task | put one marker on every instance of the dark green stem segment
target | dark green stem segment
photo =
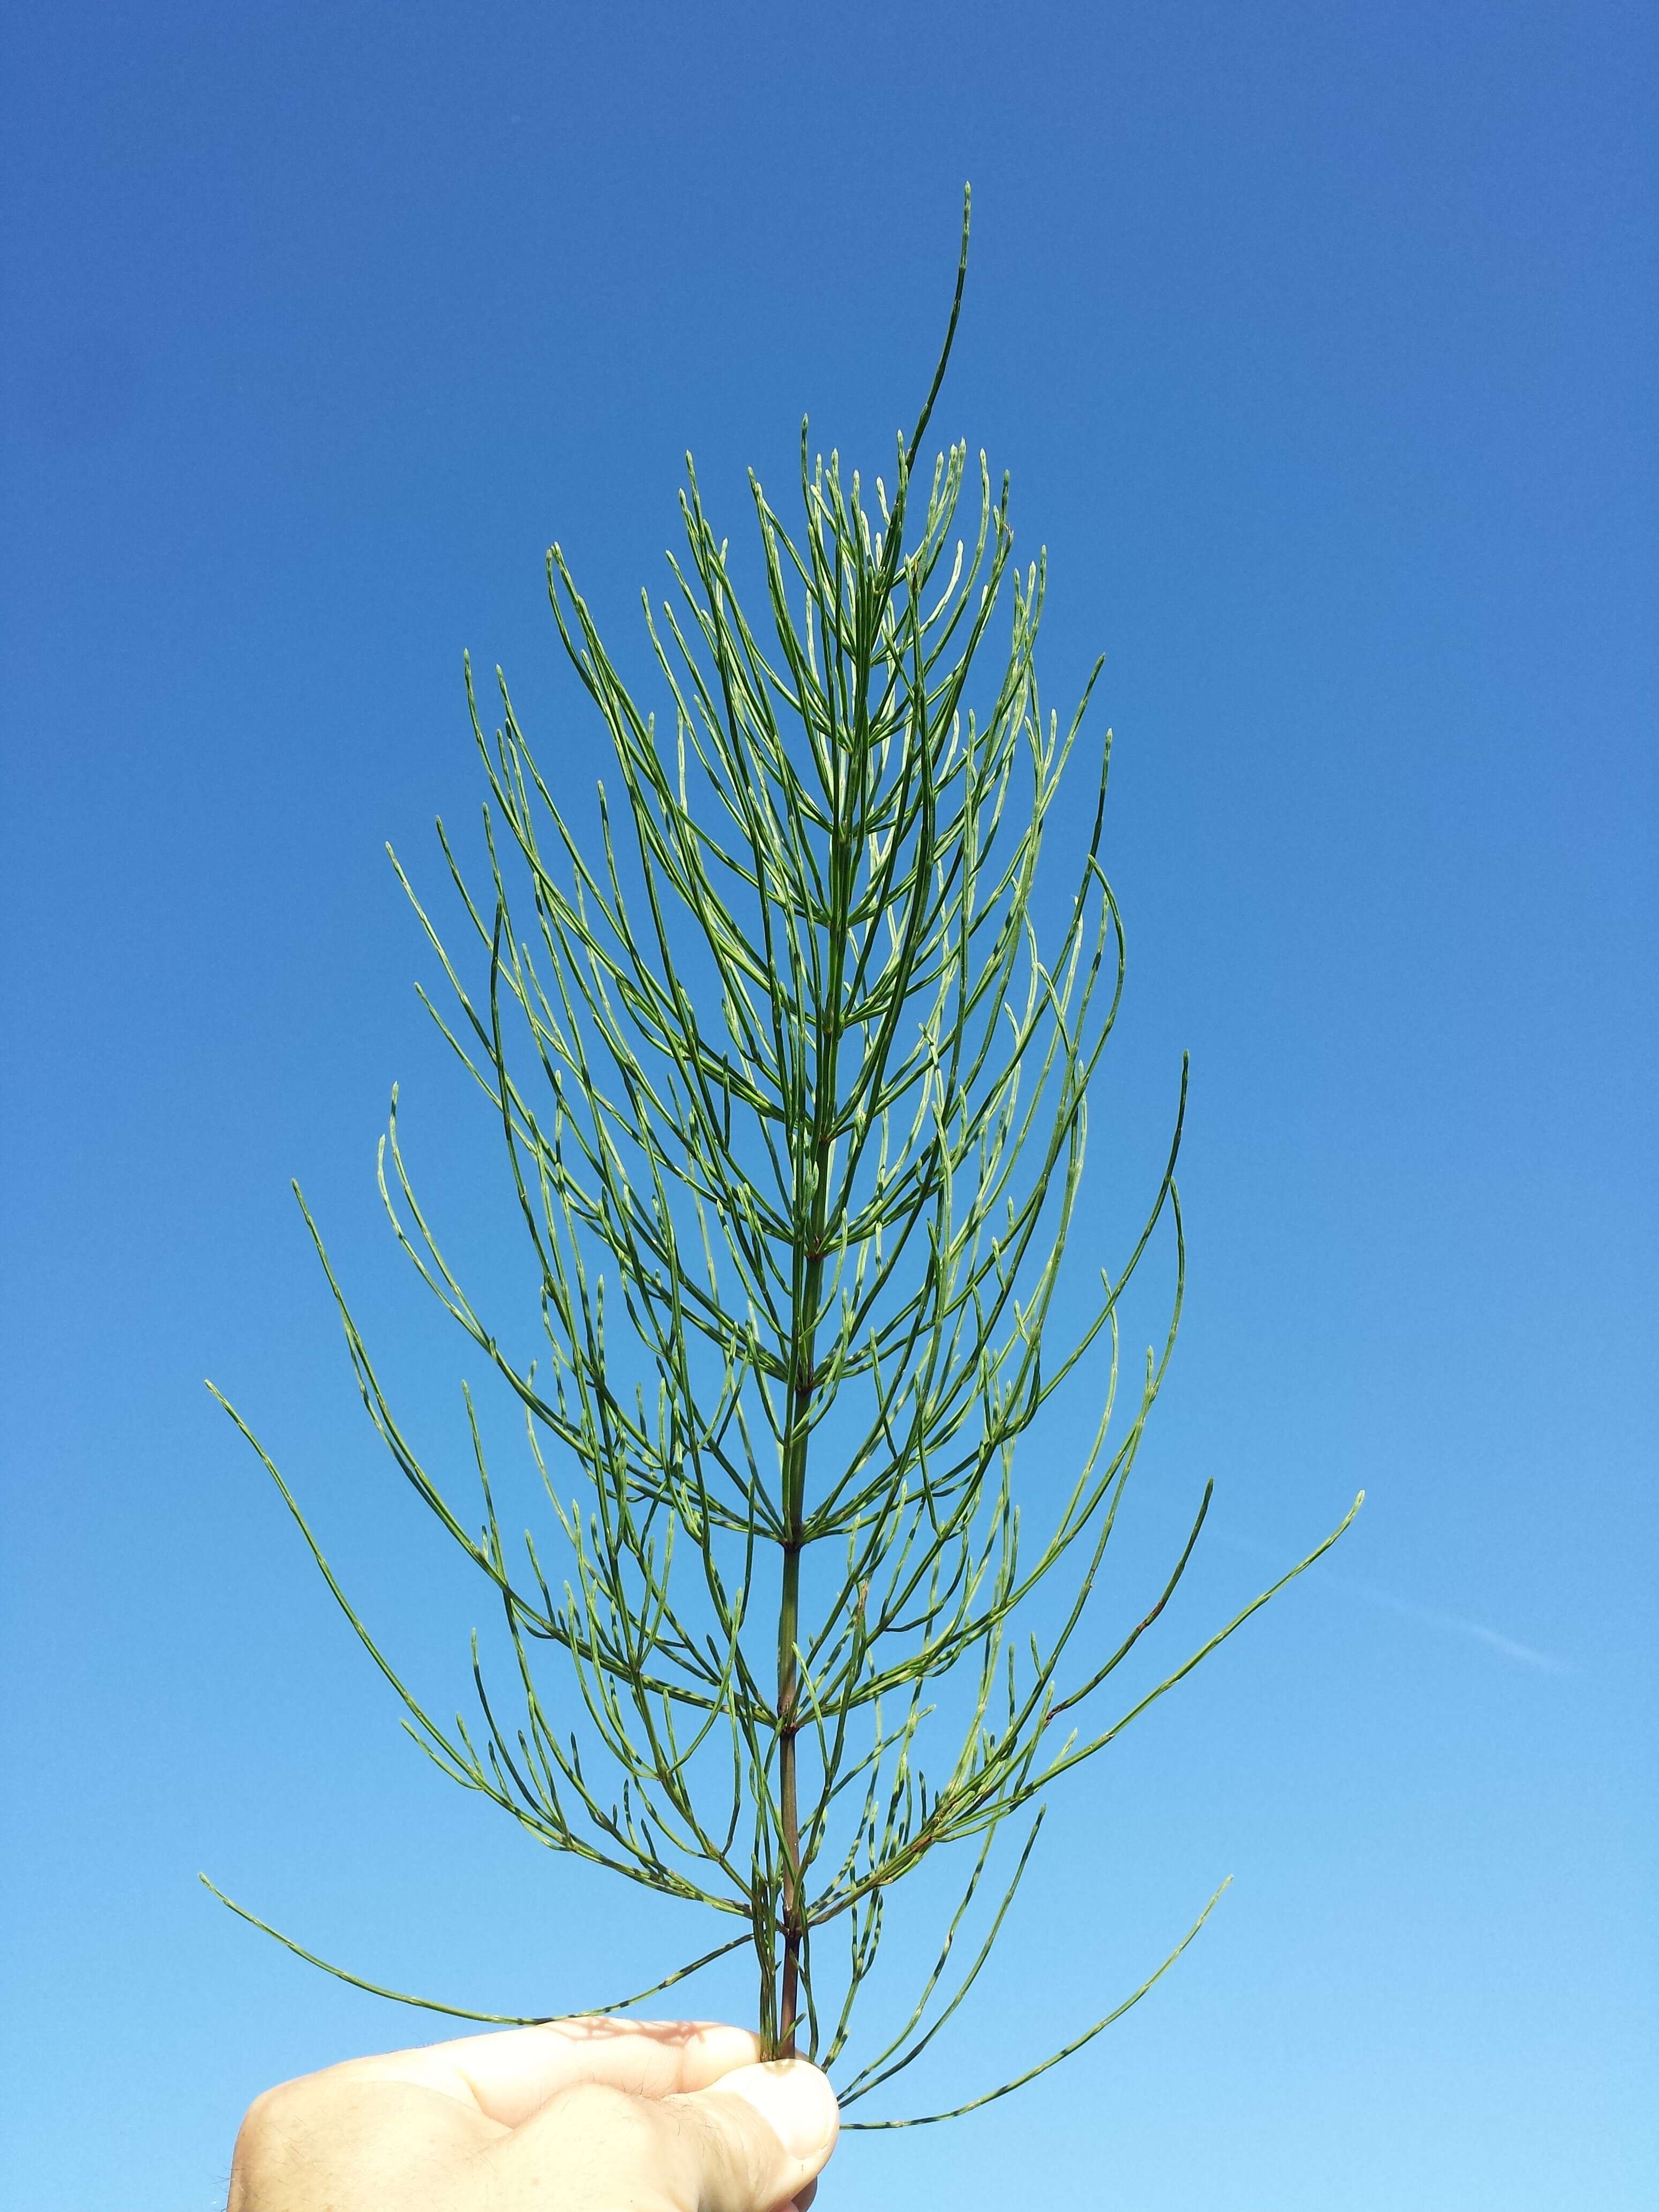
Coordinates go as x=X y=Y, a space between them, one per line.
x=809 y=1291
x=794 y=1504
x=788 y=1692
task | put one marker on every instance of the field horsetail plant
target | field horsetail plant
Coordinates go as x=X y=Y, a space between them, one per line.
x=794 y=1100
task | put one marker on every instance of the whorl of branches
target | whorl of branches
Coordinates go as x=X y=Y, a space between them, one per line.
x=794 y=1100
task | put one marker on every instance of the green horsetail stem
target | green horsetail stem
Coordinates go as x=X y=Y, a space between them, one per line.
x=793 y=1101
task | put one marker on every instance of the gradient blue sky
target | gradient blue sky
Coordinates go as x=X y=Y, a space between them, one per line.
x=1319 y=341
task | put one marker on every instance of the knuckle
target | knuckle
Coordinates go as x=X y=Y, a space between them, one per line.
x=272 y=2114
x=266 y=2138
x=598 y=2103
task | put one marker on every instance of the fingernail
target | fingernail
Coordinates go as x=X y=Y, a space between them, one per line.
x=794 y=2100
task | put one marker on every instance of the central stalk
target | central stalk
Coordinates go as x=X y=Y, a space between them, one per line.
x=794 y=1497
x=808 y=1288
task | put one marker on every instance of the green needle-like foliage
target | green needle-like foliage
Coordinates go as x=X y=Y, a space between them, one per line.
x=793 y=1094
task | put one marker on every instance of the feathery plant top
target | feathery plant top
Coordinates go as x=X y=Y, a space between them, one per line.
x=792 y=1093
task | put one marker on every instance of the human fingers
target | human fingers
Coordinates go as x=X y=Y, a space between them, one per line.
x=754 y=2142
x=509 y=2076
x=795 y=2100
x=331 y=2143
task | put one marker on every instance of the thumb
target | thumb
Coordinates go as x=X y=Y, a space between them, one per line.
x=760 y=2136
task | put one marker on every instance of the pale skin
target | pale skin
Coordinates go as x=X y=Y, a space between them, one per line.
x=579 y=2116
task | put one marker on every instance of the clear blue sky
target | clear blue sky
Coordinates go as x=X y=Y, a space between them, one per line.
x=1319 y=341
